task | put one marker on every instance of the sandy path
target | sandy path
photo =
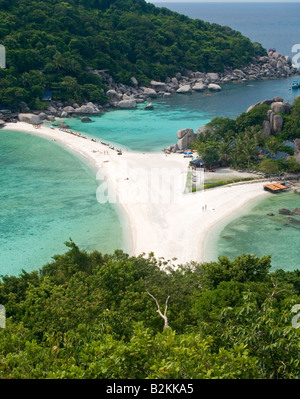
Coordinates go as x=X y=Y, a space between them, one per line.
x=162 y=219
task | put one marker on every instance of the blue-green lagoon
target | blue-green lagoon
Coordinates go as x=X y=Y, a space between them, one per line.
x=254 y=231
x=140 y=130
x=48 y=196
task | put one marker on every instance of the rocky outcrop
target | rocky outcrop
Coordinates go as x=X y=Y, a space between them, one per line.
x=281 y=107
x=289 y=212
x=185 y=138
x=214 y=87
x=199 y=86
x=274 y=121
x=88 y=109
x=30 y=118
x=69 y=109
x=114 y=96
x=86 y=119
x=186 y=89
x=158 y=86
x=297 y=149
x=148 y=107
x=149 y=92
x=212 y=77
x=266 y=129
x=119 y=95
x=127 y=104
x=134 y=81
x=286 y=212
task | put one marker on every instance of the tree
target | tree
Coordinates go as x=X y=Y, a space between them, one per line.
x=210 y=156
x=250 y=145
x=269 y=166
x=225 y=149
x=272 y=145
x=163 y=315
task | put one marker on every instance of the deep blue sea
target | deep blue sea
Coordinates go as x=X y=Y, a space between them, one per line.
x=274 y=25
x=47 y=195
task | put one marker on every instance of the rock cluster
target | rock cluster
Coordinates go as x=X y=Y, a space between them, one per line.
x=274 y=65
x=274 y=122
x=289 y=212
x=121 y=96
x=185 y=138
x=272 y=125
x=297 y=149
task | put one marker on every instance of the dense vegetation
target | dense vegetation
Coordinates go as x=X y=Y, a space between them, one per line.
x=51 y=43
x=92 y=316
x=240 y=142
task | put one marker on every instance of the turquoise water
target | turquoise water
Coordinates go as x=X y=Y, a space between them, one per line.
x=256 y=233
x=48 y=196
x=140 y=130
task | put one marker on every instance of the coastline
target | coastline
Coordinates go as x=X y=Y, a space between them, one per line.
x=273 y=66
x=169 y=229
x=211 y=240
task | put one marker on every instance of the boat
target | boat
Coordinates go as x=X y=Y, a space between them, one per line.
x=295 y=84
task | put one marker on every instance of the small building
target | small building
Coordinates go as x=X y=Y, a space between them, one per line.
x=275 y=188
x=47 y=96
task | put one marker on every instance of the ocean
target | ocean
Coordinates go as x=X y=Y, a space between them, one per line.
x=48 y=195
x=146 y=131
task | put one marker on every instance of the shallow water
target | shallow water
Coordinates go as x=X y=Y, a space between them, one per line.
x=48 y=196
x=140 y=130
x=257 y=233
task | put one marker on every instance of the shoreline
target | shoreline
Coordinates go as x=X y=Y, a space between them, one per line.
x=169 y=229
x=127 y=97
x=211 y=240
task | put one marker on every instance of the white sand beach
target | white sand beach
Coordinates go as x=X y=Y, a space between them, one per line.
x=167 y=222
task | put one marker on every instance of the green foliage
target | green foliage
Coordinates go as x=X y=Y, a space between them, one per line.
x=210 y=155
x=254 y=117
x=56 y=41
x=225 y=182
x=291 y=128
x=90 y=316
x=237 y=142
x=269 y=166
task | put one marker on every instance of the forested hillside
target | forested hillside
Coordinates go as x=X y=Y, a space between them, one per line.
x=50 y=44
x=95 y=316
x=245 y=142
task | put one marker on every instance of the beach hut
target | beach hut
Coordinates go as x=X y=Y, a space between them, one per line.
x=275 y=188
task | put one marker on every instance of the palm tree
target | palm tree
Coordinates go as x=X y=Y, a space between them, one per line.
x=58 y=61
x=272 y=145
x=250 y=148
x=225 y=150
x=237 y=152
